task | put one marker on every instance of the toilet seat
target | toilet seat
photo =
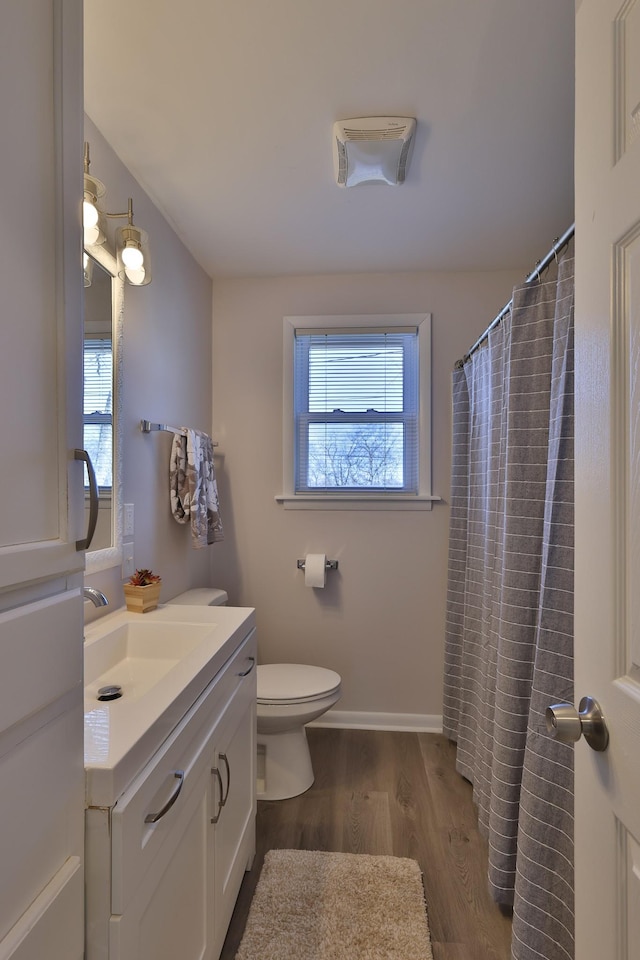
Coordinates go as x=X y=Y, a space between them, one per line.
x=291 y=683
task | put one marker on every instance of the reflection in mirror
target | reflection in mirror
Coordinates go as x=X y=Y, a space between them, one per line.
x=102 y=397
x=98 y=395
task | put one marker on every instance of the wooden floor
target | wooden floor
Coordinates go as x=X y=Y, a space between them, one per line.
x=398 y=794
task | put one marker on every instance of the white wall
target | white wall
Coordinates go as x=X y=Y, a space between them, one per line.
x=380 y=620
x=167 y=378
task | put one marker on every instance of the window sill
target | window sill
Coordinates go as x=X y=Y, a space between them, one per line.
x=347 y=501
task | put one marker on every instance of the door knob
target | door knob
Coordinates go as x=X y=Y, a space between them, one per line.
x=567 y=724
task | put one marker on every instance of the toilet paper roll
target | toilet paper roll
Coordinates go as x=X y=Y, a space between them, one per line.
x=315 y=570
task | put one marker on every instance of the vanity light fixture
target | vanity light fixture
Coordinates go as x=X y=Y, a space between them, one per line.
x=132 y=243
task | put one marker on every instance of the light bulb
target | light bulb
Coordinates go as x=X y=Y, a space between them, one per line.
x=91 y=236
x=87 y=269
x=137 y=277
x=89 y=214
x=132 y=256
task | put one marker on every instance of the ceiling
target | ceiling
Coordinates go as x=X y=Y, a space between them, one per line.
x=223 y=111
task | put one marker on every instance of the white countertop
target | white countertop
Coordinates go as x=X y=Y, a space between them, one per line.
x=122 y=735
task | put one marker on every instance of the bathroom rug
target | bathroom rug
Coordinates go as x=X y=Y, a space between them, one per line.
x=313 y=905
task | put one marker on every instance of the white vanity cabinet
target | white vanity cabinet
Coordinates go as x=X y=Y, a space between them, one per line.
x=165 y=863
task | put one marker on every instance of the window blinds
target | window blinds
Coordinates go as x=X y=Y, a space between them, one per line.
x=98 y=407
x=356 y=404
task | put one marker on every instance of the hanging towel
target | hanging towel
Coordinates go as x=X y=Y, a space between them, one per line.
x=193 y=487
x=179 y=488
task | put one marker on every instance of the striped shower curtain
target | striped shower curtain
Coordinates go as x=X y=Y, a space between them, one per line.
x=509 y=636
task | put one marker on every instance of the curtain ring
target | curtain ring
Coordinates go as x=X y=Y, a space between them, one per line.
x=538 y=262
x=556 y=240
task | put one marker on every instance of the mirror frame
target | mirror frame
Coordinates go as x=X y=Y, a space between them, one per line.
x=96 y=560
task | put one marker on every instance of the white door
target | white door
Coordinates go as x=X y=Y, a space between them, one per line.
x=607 y=602
x=40 y=290
x=41 y=488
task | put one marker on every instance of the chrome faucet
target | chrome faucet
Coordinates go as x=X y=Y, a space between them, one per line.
x=97 y=599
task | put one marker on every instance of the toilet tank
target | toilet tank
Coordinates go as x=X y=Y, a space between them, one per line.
x=202 y=597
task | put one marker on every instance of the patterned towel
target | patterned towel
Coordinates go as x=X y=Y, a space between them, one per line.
x=193 y=487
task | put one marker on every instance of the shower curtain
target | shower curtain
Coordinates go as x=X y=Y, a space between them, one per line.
x=509 y=633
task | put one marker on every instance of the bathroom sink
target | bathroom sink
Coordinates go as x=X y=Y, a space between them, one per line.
x=162 y=662
x=137 y=654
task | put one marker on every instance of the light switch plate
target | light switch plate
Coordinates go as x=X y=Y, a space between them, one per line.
x=128 y=565
x=128 y=520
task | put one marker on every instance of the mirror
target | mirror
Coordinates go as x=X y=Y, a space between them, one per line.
x=103 y=309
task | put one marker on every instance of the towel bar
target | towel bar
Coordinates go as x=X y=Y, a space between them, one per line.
x=146 y=426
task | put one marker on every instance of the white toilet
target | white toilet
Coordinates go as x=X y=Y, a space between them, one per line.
x=290 y=695
x=202 y=597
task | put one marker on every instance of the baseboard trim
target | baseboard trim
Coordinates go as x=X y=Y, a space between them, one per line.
x=401 y=722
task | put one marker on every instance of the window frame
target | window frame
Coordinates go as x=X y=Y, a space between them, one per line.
x=358 y=499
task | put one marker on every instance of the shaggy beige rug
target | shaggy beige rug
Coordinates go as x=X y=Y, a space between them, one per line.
x=311 y=905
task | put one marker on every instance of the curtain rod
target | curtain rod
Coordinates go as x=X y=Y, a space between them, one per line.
x=541 y=265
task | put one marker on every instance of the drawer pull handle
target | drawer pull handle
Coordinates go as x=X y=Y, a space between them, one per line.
x=154 y=817
x=223 y=756
x=247 y=672
x=220 y=801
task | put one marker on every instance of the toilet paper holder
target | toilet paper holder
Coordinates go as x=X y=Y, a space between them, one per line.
x=329 y=564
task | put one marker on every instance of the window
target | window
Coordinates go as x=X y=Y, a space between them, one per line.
x=98 y=408
x=356 y=410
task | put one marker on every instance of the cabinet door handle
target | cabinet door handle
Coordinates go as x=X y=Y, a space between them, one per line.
x=247 y=672
x=154 y=817
x=94 y=500
x=223 y=756
x=214 y=819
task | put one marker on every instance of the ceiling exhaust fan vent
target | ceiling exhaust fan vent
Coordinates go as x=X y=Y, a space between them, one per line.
x=372 y=150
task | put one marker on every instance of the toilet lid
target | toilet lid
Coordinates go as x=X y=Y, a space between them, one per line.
x=294 y=682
